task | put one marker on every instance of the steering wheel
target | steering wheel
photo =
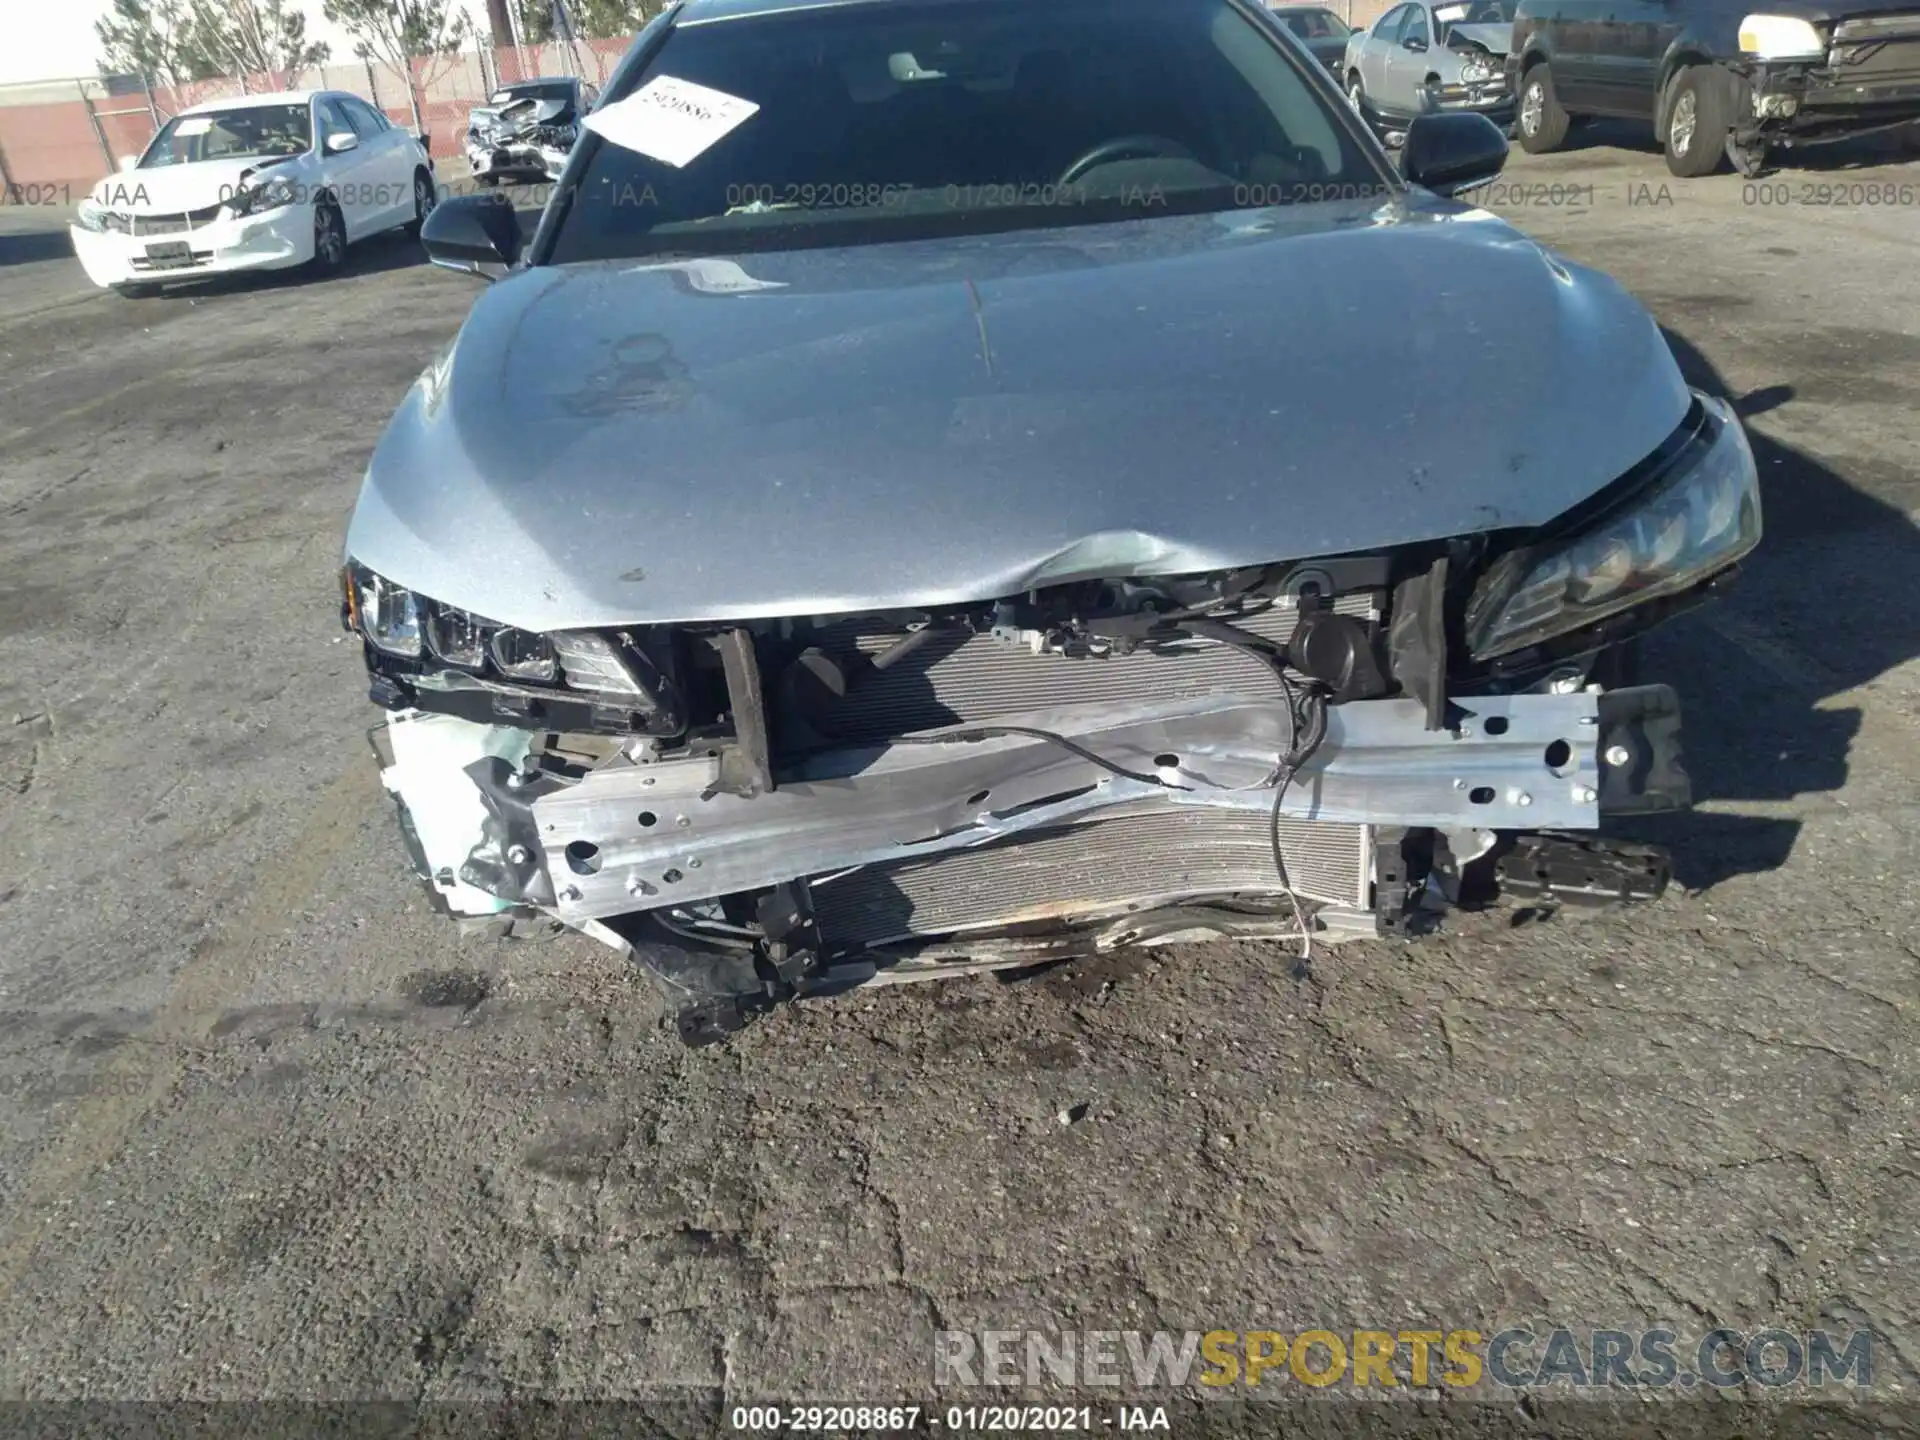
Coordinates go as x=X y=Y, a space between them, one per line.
x=1125 y=145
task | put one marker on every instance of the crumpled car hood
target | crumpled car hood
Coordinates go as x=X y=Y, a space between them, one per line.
x=1494 y=38
x=891 y=426
x=168 y=189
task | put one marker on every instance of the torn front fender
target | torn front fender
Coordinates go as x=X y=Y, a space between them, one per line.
x=450 y=820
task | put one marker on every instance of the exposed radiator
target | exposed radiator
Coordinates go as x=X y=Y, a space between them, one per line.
x=1161 y=855
x=975 y=678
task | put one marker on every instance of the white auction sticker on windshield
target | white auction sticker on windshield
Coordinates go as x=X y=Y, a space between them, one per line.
x=194 y=125
x=674 y=121
x=1447 y=14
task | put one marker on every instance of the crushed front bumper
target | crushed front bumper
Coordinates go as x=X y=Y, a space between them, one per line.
x=516 y=160
x=641 y=836
x=996 y=847
x=1868 y=81
x=275 y=240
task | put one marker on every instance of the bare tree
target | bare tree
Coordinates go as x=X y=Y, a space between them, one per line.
x=612 y=19
x=396 y=31
x=249 y=36
x=155 y=38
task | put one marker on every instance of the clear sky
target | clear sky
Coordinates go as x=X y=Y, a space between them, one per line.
x=53 y=39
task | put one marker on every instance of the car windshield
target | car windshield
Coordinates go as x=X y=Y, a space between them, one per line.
x=1472 y=12
x=871 y=122
x=1313 y=24
x=535 y=89
x=244 y=132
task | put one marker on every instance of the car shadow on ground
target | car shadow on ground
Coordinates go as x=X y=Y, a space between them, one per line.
x=395 y=250
x=1865 y=153
x=27 y=247
x=1822 y=608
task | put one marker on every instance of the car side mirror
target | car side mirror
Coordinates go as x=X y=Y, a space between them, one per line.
x=1414 y=43
x=127 y=162
x=474 y=234
x=424 y=140
x=1450 y=153
x=338 y=144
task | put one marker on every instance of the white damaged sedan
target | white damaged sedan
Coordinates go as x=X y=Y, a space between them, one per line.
x=261 y=182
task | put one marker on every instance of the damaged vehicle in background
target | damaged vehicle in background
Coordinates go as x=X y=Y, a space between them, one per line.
x=888 y=570
x=257 y=182
x=526 y=130
x=1720 y=82
x=1419 y=58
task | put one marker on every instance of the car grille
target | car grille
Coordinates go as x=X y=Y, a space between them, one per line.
x=1863 y=28
x=1872 y=58
x=173 y=224
x=1157 y=856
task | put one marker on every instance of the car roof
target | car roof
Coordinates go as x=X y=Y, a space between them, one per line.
x=536 y=80
x=696 y=12
x=246 y=102
x=701 y=12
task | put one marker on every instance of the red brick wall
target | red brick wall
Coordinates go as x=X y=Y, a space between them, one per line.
x=48 y=146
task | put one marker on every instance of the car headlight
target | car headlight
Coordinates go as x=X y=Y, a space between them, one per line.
x=521 y=654
x=1780 y=37
x=635 y=673
x=396 y=621
x=388 y=615
x=91 y=215
x=1701 y=517
x=271 y=194
x=1475 y=72
x=459 y=637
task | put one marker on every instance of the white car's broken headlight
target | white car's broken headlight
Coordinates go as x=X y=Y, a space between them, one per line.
x=271 y=194
x=1702 y=516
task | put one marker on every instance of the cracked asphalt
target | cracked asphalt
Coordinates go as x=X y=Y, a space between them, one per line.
x=271 y=1130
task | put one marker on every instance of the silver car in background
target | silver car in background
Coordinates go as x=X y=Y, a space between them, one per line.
x=527 y=129
x=1419 y=58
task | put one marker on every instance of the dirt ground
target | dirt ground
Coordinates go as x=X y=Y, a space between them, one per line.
x=271 y=1130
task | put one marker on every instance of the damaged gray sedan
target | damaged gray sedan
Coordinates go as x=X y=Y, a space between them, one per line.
x=954 y=485
x=527 y=129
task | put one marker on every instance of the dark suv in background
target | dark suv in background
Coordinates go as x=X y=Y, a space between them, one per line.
x=1719 y=79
